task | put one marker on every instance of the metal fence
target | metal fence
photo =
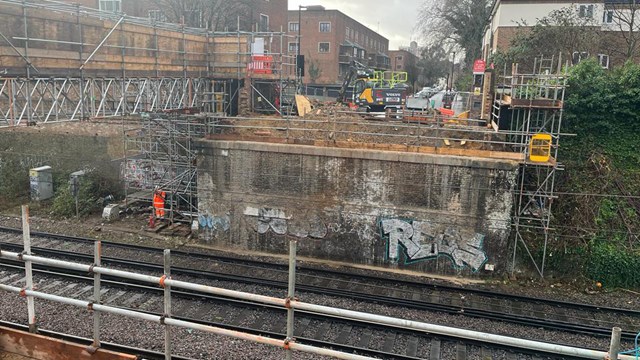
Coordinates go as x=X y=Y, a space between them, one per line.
x=290 y=303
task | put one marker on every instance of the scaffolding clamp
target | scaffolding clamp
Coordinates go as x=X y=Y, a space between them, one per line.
x=287 y=343
x=23 y=292
x=162 y=280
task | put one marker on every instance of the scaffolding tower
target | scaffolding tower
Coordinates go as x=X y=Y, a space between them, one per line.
x=528 y=108
x=160 y=156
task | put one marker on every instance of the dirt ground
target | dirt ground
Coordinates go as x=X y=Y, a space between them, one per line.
x=331 y=122
x=10 y=356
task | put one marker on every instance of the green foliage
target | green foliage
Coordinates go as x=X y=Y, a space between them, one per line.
x=612 y=266
x=14 y=180
x=433 y=64
x=314 y=70
x=93 y=189
x=464 y=82
x=603 y=109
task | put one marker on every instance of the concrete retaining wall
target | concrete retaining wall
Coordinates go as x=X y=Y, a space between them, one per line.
x=22 y=149
x=440 y=214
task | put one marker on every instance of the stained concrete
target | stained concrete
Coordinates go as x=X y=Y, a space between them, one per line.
x=66 y=147
x=424 y=212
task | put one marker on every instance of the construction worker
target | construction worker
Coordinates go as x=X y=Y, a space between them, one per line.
x=159 y=197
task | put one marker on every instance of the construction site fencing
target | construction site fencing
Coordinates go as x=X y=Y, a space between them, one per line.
x=290 y=303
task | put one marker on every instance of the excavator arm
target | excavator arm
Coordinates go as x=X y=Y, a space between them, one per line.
x=356 y=70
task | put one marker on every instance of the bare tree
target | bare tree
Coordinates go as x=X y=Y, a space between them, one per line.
x=624 y=15
x=563 y=31
x=216 y=15
x=455 y=25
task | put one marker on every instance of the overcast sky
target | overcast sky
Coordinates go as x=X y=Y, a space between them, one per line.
x=394 y=19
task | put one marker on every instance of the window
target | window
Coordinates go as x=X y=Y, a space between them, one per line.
x=399 y=67
x=603 y=60
x=294 y=26
x=325 y=27
x=157 y=15
x=110 y=5
x=607 y=17
x=578 y=56
x=347 y=32
x=323 y=47
x=264 y=23
x=293 y=47
x=585 y=11
x=399 y=57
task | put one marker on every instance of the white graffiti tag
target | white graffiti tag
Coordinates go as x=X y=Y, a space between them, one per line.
x=421 y=241
x=279 y=223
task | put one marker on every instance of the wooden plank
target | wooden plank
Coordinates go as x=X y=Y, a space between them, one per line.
x=46 y=348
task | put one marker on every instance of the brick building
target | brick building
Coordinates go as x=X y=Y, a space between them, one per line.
x=506 y=15
x=402 y=60
x=255 y=15
x=330 y=40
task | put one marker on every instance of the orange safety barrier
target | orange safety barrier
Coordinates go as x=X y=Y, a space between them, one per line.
x=261 y=64
x=446 y=112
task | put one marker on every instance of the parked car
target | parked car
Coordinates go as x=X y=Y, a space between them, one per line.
x=426 y=92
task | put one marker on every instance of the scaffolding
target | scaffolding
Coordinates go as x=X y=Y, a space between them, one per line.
x=127 y=65
x=529 y=109
x=160 y=155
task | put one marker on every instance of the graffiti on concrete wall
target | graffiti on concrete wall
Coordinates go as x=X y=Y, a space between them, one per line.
x=214 y=223
x=422 y=240
x=275 y=220
x=143 y=173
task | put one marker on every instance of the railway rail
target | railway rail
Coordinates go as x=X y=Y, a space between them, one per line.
x=403 y=293
x=345 y=335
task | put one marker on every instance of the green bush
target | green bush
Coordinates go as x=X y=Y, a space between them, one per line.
x=93 y=189
x=613 y=266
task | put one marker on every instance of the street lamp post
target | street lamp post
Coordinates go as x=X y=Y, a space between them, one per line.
x=298 y=69
x=453 y=68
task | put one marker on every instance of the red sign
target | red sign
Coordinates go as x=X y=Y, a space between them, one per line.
x=479 y=66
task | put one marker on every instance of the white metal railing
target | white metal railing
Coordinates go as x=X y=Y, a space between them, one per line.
x=290 y=303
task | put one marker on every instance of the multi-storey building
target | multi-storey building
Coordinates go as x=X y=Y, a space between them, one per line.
x=510 y=16
x=330 y=40
x=254 y=15
x=402 y=60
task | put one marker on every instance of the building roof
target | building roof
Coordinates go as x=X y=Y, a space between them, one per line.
x=352 y=44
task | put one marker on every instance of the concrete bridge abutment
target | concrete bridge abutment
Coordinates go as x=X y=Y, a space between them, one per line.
x=424 y=212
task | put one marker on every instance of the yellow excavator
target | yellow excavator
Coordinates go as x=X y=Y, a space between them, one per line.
x=374 y=91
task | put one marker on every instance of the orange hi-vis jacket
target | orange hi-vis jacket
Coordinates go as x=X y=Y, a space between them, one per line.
x=158 y=203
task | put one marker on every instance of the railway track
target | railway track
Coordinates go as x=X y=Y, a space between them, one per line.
x=312 y=329
x=479 y=304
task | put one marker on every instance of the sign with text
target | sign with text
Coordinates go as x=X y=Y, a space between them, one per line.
x=479 y=66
